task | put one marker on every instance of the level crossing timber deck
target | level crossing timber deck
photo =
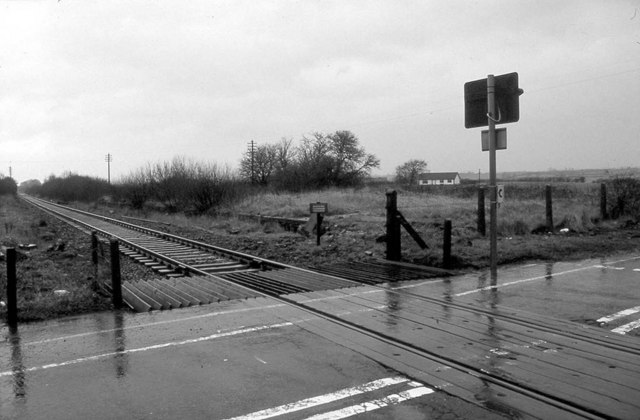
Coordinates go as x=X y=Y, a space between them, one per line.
x=557 y=362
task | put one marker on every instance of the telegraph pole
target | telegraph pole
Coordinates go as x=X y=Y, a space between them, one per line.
x=108 y=158
x=252 y=151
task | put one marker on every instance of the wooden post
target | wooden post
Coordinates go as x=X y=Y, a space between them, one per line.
x=603 y=201
x=12 y=295
x=549 y=208
x=94 y=252
x=446 y=247
x=482 y=226
x=116 y=281
x=394 y=250
x=318 y=228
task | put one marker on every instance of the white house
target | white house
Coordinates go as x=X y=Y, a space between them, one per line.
x=439 y=178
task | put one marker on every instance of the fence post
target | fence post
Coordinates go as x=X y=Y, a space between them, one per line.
x=12 y=295
x=94 y=252
x=549 y=208
x=603 y=201
x=394 y=250
x=482 y=226
x=116 y=281
x=446 y=247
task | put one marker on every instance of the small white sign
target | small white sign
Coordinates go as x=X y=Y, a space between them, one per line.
x=501 y=139
x=499 y=193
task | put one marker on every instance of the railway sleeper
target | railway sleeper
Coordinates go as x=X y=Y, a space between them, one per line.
x=228 y=268
x=217 y=264
x=276 y=288
x=263 y=284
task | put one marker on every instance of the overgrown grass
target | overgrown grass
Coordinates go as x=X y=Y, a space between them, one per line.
x=340 y=201
x=575 y=208
x=52 y=281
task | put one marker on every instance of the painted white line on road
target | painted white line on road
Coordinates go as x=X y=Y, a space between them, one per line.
x=623 y=329
x=154 y=347
x=369 y=406
x=575 y=270
x=609 y=267
x=321 y=399
x=618 y=315
x=151 y=324
x=511 y=283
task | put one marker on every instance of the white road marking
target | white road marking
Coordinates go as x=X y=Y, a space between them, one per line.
x=545 y=276
x=154 y=347
x=369 y=406
x=511 y=283
x=623 y=329
x=151 y=324
x=321 y=399
x=610 y=267
x=189 y=318
x=575 y=270
x=618 y=315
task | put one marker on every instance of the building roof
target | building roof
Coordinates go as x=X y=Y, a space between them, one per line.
x=437 y=176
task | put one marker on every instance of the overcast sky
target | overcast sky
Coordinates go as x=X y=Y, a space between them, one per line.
x=149 y=80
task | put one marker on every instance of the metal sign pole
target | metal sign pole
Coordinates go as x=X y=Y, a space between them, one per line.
x=493 y=238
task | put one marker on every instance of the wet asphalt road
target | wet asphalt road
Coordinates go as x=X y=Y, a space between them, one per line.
x=584 y=291
x=253 y=357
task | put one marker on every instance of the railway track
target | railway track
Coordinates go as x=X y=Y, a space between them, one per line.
x=190 y=272
x=518 y=365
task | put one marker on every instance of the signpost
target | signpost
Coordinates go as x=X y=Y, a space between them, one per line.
x=491 y=101
x=319 y=209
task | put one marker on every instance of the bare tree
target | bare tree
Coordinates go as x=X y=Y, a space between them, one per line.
x=350 y=161
x=408 y=172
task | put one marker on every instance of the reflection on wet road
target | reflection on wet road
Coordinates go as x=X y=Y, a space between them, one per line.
x=586 y=292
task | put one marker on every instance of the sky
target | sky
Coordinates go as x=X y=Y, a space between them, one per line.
x=146 y=81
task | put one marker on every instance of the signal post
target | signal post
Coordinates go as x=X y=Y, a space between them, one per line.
x=491 y=101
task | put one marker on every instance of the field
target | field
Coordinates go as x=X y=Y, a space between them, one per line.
x=357 y=218
x=355 y=223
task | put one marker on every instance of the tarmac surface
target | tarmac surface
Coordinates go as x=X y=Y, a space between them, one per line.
x=260 y=358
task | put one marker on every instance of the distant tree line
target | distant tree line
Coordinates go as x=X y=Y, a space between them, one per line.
x=181 y=185
x=68 y=187
x=317 y=161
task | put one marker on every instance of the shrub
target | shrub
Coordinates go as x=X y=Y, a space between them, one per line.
x=8 y=186
x=623 y=194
